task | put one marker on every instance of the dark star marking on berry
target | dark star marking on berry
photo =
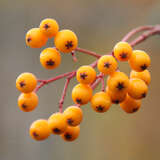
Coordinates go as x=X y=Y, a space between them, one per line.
x=68 y=136
x=107 y=64
x=50 y=62
x=46 y=26
x=116 y=101
x=35 y=134
x=24 y=106
x=28 y=39
x=69 y=44
x=120 y=85
x=100 y=108
x=143 y=67
x=83 y=75
x=143 y=95
x=70 y=121
x=56 y=130
x=79 y=101
x=123 y=55
x=135 y=109
x=22 y=84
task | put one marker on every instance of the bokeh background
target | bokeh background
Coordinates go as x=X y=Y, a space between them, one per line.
x=99 y=24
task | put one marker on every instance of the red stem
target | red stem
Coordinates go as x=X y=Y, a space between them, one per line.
x=103 y=85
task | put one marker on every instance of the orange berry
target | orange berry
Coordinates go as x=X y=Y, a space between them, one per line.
x=71 y=133
x=139 y=60
x=49 y=27
x=81 y=94
x=73 y=115
x=27 y=101
x=116 y=97
x=123 y=51
x=39 y=130
x=57 y=123
x=66 y=41
x=137 y=88
x=50 y=58
x=86 y=74
x=118 y=81
x=130 y=105
x=144 y=75
x=26 y=82
x=35 y=38
x=107 y=64
x=100 y=102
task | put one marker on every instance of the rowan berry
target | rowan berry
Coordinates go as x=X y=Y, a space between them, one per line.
x=144 y=75
x=26 y=82
x=107 y=64
x=35 y=38
x=86 y=75
x=118 y=81
x=50 y=58
x=130 y=105
x=57 y=123
x=73 y=115
x=81 y=94
x=123 y=51
x=27 y=101
x=116 y=97
x=66 y=41
x=139 y=60
x=71 y=133
x=100 y=102
x=137 y=88
x=39 y=130
x=49 y=27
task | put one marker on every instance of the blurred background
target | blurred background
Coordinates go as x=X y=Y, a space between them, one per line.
x=99 y=24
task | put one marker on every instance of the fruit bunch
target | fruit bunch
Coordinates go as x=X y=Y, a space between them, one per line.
x=120 y=89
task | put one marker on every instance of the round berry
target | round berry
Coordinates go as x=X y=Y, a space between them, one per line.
x=122 y=51
x=66 y=41
x=144 y=75
x=139 y=60
x=137 y=88
x=107 y=64
x=50 y=58
x=57 y=123
x=71 y=133
x=73 y=115
x=49 y=27
x=39 y=130
x=27 y=101
x=130 y=105
x=35 y=38
x=81 y=94
x=26 y=82
x=100 y=102
x=118 y=81
x=86 y=75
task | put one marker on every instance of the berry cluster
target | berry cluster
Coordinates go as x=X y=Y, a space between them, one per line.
x=120 y=89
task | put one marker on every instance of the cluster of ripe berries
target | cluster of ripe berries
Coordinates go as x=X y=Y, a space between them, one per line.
x=120 y=89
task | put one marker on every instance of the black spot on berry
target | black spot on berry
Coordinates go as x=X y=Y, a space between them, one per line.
x=50 y=62
x=107 y=64
x=56 y=130
x=28 y=39
x=123 y=55
x=35 y=134
x=69 y=44
x=116 y=101
x=135 y=109
x=100 y=108
x=22 y=84
x=83 y=75
x=46 y=26
x=79 y=101
x=68 y=136
x=24 y=106
x=143 y=95
x=143 y=67
x=120 y=86
x=69 y=121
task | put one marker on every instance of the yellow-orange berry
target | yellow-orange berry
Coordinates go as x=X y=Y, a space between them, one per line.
x=39 y=130
x=107 y=64
x=118 y=81
x=139 y=61
x=100 y=102
x=26 y=82
x=49 y=27
x=86 y=74
x=123 y=51
x=137 y=88
x=35 y=38
x=130 y=105
x=57 y=123
x=71 y=133
x=73 y=115
x=50 y=58
x=27 y=101
x=116 y=97
x=81 y=94
x=144 y=75
x=66 y=41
